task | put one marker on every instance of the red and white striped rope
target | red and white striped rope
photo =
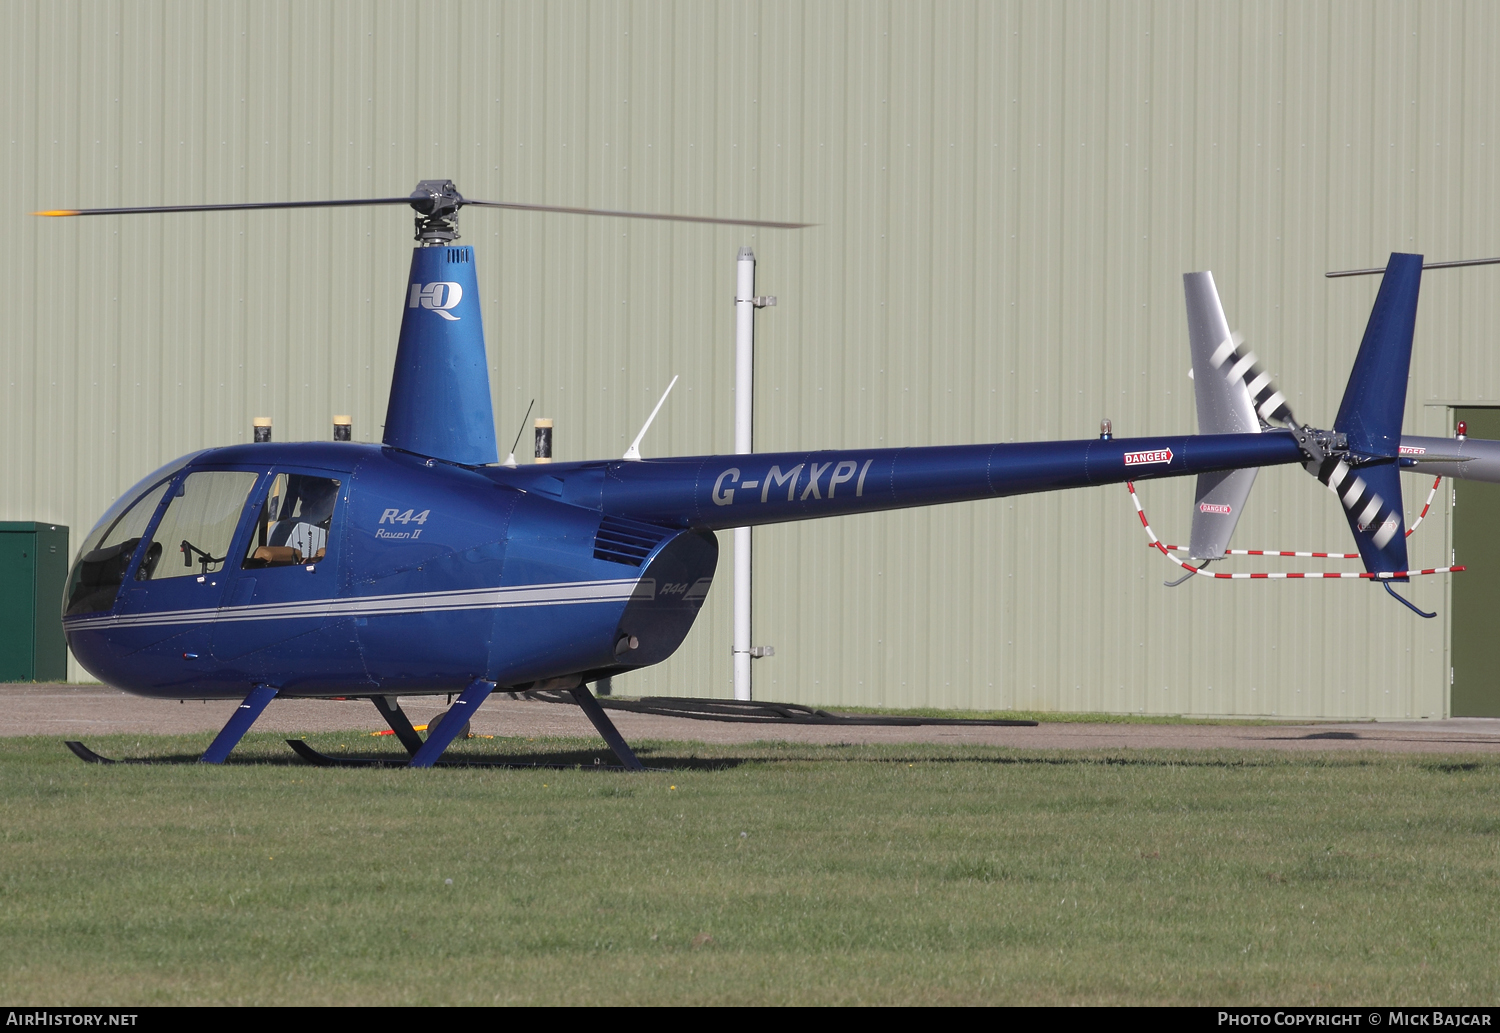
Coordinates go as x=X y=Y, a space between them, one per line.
x=1279 y=575
x=1318 y=555
x=1423 y=515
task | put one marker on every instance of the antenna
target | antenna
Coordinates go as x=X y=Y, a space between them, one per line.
x=510 y=460
x=634 y=451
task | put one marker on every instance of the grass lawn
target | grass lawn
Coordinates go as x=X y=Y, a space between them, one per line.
x=773 y=873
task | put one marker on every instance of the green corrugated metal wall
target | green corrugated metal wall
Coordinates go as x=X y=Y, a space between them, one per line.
x=1006 y=195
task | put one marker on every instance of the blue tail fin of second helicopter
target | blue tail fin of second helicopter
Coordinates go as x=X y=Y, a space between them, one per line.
x=1371 y=415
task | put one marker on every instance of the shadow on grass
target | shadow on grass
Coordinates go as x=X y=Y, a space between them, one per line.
x=668 y=757
x=1457 y=768
x=564 y=759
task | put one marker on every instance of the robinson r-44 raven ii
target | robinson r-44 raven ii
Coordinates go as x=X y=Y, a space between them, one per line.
x=423 y=566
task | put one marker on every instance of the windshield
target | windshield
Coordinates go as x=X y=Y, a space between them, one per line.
x=95 y=579
x=128 y=499
x=106 y=552
x=194 y=534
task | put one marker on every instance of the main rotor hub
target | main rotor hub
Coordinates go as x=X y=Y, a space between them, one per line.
x=436 y=202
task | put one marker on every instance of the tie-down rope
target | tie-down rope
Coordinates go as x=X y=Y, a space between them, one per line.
x=1284 y=574
x=1321 y=555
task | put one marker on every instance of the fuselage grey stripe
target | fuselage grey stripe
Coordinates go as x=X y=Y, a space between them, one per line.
x=374 y=606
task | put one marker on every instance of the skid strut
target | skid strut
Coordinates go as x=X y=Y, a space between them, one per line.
x=239 y=723
x=390 y=709
x=453 y=721
x=606 y=728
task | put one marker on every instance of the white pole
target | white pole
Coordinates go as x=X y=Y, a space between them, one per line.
x=744 y=385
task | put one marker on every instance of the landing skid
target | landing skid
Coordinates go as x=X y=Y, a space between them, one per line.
x=422 y=754
x=218 y=751
x=323 y=760
x=87 y=755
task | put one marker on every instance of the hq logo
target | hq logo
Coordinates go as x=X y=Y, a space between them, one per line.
x=440 y=297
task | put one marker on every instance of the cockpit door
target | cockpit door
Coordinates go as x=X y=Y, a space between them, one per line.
x=280 y=603
x=170 y=601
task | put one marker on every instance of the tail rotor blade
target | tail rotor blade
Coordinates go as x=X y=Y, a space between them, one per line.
x=1239 y=364
x=1371 y=497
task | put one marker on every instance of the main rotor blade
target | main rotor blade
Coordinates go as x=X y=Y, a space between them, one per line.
x=226 y=207
x=516 y=205
x=1428 y=265
x=638 y=215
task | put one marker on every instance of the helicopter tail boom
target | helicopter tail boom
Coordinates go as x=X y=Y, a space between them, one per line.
x=717 y=492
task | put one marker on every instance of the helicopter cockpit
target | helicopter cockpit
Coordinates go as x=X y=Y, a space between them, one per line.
x=196 y=531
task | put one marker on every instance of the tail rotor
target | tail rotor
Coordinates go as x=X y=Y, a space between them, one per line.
x=1358 y=460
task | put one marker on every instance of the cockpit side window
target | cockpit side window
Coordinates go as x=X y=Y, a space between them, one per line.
x=294 y=522
x=198 y=527
x=100 y=568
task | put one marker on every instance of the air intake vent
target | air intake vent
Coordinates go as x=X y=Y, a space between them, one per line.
x=625 y=541
x=458 y=255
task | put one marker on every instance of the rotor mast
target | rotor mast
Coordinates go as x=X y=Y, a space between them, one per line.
x=436 y=202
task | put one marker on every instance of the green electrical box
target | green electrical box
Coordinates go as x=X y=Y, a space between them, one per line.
x=33 y=573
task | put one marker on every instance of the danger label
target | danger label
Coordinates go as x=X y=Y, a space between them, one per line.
x=1412 y=450
x=1160 y=455
x=1214 y=507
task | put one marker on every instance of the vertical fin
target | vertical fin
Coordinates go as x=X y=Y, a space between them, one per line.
x=1375 y=397
x=1371 y=415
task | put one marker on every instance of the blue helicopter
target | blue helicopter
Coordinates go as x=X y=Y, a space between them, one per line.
x=423 y=566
